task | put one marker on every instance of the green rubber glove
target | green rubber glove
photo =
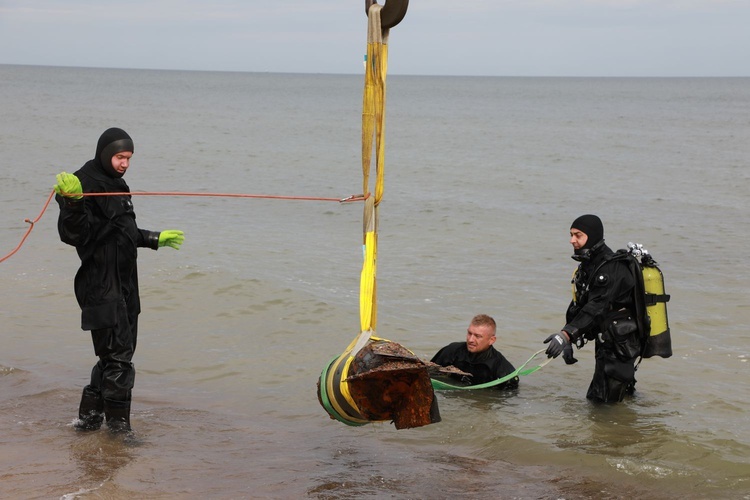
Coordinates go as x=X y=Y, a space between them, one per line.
x=68 y=183
x=171 y=238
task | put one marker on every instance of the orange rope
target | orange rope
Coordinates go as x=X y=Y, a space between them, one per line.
x=353 y=197
x=348 y=199
x=31 y=226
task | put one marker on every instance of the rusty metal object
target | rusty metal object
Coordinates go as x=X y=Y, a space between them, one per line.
x=437 y=370
x=387 y=382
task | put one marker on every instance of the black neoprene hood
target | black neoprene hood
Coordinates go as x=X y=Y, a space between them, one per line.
x=591 y=226
x=112 y=141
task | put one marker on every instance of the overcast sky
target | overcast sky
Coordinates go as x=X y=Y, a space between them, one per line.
x=437 y=37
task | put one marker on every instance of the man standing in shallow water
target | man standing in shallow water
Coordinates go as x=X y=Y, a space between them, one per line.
x=601 y=311
x=106 y=237
x=477 y=355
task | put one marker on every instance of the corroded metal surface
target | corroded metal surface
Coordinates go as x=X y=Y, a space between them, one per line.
x=389 y=383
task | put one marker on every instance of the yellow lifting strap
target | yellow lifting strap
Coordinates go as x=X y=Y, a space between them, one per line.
x=367 y=289
x=336 y=393
x=373 y=102
x=373 y=138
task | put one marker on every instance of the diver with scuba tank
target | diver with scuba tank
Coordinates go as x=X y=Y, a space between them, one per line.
x=606 y=309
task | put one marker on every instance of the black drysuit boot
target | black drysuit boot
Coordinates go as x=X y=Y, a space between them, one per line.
x=118 y=416
x=90 y=411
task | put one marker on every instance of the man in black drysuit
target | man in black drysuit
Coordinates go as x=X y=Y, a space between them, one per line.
x=106 y=237
x=603 y=311
x=477 y=355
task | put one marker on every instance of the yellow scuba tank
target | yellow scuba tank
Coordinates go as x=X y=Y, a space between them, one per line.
x=659 y=342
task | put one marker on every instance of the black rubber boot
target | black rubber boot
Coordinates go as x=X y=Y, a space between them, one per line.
x=90 y=411
x=118 y=416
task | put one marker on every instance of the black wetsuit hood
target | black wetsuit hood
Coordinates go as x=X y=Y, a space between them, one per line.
x=112 y=141
x=592 y=227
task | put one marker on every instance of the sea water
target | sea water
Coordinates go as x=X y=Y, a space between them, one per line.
x=483 y=177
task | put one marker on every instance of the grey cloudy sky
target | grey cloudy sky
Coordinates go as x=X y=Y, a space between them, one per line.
x=437 y=37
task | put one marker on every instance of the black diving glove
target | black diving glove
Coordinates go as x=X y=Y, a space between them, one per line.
x=567 y=353
x=557 y=343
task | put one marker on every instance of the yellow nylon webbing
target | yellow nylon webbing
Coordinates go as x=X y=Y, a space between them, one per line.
x=373 y=131
x=367 y=297
x=343 y=388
